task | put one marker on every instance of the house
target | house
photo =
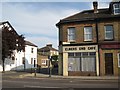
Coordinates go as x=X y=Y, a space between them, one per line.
x=89 y=42
x=44 y=55
x=21 y=60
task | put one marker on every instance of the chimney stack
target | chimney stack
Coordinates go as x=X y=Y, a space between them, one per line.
x=49 y=45
x=95 y=6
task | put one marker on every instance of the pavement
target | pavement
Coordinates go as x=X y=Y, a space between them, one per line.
x=13 y=74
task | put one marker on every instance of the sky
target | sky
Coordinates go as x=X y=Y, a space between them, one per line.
x=37 y=20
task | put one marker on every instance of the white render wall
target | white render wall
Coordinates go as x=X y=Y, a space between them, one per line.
x=18 y=62
x=29 y=55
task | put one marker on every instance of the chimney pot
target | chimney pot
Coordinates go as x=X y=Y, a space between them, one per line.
x=95 y=5
x=49 y=45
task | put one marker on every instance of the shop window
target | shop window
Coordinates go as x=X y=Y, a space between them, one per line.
x=88 y=64
x=87 y=33
x=70 y=54
x=78 y=54
x=85 y=54
x=82 y=61
x=118 y=59
x=109 y=32
x=116 y=8
x=74 y=64
x=71 y=34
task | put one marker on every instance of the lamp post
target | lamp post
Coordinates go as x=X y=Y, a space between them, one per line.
x=35 y=70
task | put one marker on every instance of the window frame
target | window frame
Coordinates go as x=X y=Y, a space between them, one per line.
x=44 y=62
x=71 y=34
x=31 y=60
x=32 y=50
x=114 y=8
x=119 y=60
x=88 y=33
x=105 y=31
x=81 y=58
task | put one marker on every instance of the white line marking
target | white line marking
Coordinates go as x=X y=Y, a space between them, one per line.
x=27 y=86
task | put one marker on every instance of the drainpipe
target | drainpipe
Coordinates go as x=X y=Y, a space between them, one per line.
x=97 y=36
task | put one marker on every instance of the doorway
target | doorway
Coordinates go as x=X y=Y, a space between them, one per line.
x=108 y=63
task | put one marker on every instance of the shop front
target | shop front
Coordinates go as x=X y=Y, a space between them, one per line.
x=80 y=60
x=109 y=59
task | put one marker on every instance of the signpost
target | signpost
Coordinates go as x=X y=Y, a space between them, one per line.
x=49 y=66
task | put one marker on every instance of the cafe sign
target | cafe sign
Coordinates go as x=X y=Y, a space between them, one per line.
x=89 y=48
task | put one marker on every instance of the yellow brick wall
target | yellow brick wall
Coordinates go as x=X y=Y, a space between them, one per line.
x=115 y=61
x=79 y=32
x=116 y=27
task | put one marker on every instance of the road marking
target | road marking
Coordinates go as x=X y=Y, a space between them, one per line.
x=27 y=86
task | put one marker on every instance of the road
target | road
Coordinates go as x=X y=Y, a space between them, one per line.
x=28 y=82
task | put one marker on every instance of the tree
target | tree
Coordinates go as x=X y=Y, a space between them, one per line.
x=11 y=41
x=54 y=60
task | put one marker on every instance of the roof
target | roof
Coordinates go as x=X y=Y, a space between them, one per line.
x=29 y=43
x=47 y=49
x=86 y=15
x=2 y=23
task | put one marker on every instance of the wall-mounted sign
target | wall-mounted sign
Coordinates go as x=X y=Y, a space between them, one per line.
x=80 y=48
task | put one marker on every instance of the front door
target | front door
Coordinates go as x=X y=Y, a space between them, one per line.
x=108 y=63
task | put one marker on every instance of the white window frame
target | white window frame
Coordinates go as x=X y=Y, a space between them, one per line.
x=111 y=38
x=89 y=34
x=118 y=59
x=116 y=8
x=45 y=62
x=71 y=34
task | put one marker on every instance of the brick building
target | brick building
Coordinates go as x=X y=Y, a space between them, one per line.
x=44 y=53
x=89 y=42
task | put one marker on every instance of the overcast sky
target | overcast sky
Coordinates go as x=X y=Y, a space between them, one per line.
x=36 y=20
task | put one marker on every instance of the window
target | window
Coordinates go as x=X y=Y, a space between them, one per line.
x=31 y=50
x=87 y=33
x=116 y=8
x=13 y=60
x=44 y=62
x=118 y=59
x=71 y=34
x=31 y=60
x=108 y=32
x=82 y=61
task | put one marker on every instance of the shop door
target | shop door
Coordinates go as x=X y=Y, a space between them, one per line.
x=108 y=63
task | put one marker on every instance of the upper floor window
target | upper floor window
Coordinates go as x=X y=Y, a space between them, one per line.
x=118 y=59
x=87 y=33
x=108 y=32
x=71 y=34
x=32 y=50
x=116 y=8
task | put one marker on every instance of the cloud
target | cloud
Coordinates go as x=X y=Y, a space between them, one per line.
x=42 y=41
x=54 y=0
x=0 y=11
x=102 y=5
x=38 y=24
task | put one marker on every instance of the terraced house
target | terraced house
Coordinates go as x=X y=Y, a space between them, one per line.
x=89 y=42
